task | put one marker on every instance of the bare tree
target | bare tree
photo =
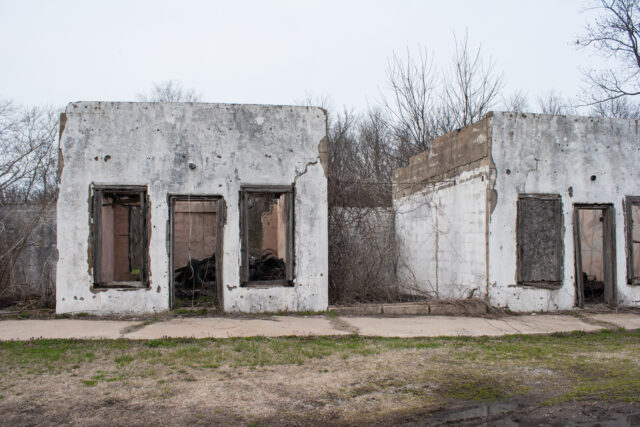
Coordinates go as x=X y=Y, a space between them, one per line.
x=619 y=108
x=413 y=102
x=426 y=103
x=28 y=156
x=169 y=91
x=471 y=89
x=615 y=35
x=517 y=102
x=554 y=103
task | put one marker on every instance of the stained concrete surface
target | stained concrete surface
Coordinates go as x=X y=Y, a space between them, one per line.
x=277 y=326
x=433 y=326
x=623 y=320
x=215 y=327
x=23 y=330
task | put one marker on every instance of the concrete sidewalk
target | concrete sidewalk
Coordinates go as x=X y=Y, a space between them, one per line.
x=277 y=326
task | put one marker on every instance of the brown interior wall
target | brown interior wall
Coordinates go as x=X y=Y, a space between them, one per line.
x=200 y=241
x=121 y=244
x=591 y=242
x=274 y=228
x=107 y=240
x=635 y=237
x=282 y=228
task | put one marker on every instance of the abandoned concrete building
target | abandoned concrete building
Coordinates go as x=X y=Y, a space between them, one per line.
x=163 y=205
x=531 y=212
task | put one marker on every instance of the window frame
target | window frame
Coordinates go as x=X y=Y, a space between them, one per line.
x=544 y=284
x=629 y=202
x=97 y=191
x=245 y=190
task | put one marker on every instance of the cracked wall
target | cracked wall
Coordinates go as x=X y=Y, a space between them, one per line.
x=559 y=155
x=198 y=149
x=440 y=203
x=456 y=206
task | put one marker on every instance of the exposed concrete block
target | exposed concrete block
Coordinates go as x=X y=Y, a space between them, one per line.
x=408 y=309
x=364 y=309
x=457 y=308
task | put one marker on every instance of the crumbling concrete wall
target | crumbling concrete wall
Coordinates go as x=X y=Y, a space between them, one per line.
x=456 y=206
x=559 y=155
x=440 y=202
x=153 y=144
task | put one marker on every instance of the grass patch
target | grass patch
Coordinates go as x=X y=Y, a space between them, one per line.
x=573 y=366
x=474 y=389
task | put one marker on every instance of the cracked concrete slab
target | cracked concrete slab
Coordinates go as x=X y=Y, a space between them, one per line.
x=433 y=326
x=25 y=330
x=219 y=327
x=623 y=320
x=278 y=326
x=548 y=324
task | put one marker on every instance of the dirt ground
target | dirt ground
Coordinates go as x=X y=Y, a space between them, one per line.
x=519 y=380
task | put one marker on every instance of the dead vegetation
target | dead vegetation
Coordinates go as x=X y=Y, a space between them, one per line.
x=302 y=381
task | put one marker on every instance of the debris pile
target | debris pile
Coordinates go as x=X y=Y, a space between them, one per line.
x=267 y=267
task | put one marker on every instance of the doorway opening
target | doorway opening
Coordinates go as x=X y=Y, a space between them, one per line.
x=595 y=254
x=196 y=225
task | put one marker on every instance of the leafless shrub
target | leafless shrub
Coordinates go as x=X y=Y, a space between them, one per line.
x=516 y=102
x=169 y=91
x=27 y=253
x=553 y=103
x=28 y=159
x=619 y=108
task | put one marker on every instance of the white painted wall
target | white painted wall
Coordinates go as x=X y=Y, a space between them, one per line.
x=441 y=237
x=550 y=154
x=152 y=144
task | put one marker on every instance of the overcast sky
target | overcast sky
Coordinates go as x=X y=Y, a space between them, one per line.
x=274 y=52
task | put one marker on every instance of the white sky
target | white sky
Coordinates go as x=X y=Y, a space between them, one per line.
x=273 y=52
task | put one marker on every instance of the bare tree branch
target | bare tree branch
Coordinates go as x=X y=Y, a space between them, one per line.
x=615 y=35
x=169 y=91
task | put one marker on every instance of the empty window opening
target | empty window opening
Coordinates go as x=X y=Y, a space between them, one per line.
x=120 y=239
x=633 y=240
x=594 y=246
x=539 y=240
x=194 y=246
x=592 y=254
x=267 y=236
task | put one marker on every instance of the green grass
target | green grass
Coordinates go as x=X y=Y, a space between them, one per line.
x=478 y=389
x=601 y=365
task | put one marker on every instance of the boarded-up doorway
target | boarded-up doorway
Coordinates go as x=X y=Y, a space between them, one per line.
x=595 y=254
x=196 y=250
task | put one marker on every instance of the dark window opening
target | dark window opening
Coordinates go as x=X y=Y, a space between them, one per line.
x=594 y=244
x=267 y=235
x=196 y=238
x=591 y=234
x=539 y=240
x=120 y=237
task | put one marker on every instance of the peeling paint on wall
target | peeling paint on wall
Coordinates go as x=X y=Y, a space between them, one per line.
x=153 y=145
